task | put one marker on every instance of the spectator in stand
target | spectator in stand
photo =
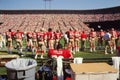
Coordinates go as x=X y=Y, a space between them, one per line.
x=54 y=53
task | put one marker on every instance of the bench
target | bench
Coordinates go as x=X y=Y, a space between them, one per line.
x=85 y=60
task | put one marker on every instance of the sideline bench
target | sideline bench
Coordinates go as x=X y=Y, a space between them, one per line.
x=85 y=60
x=5 y=58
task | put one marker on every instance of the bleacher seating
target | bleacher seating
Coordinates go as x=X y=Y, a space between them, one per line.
x=57 y=19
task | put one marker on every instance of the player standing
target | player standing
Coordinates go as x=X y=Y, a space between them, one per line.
x=9 y=35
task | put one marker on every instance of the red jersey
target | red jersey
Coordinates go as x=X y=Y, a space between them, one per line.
x=83 y=35
x=37 y=33
x=117 y=33
x=118 y=48
x=29 y=35
x=13 y=33
x=71 y=34
x=19 y=35
x=101 y=33
x=92 y=34
x=50 y=35
x=41 y=36
x=114 y=34
x=9 y=34
x=65 y=53
x=58 y=35
x=34 y=35
x=77 y=34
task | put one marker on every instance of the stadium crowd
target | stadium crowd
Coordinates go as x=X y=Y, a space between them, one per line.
x=29 y=21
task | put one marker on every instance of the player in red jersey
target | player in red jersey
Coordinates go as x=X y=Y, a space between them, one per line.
x=57 y=35
x=83 y=40
x=117 y=39
x=118 y=51
x=34 y=41
x=18 y=38
x=29 y=41
x=77 y=40
x=92 y=38
x=9 y=35
x=71 y=39
x=114 y=37
x=50 y=39
x=41 y=43
x=54 y=53
x=100 y=41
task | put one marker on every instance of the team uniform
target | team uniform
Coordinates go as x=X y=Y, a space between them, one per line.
x=18 y=38
x=117 y=39
x=118 y=42
x=77 y=40
x=50 y=40
x=62 y=52
x=71 y=39
x=65 y=37
x=118 y=51
x=83 y=40
x=29 y=41
x=113 y=38
x=41 y=44
x=57 y=38
x=100 y=39
x=9 y=36
x=92 y=38
x=34 y=41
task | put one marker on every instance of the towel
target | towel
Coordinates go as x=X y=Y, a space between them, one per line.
x=59 y=68
x=78 y=60
x=116 y=64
